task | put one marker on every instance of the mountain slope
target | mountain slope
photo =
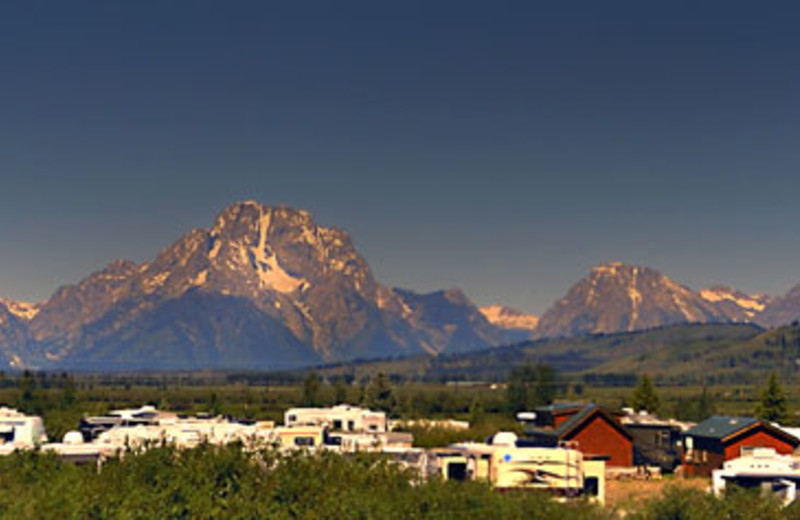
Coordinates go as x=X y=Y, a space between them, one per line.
x=619 y=297
x=448 y=321
x=736 y=305
x=301 y=291
x=681 y=353
x=781 y=311
x=518 y=325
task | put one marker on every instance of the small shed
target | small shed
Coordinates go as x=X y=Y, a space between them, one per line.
x=592 y=430
x=708 y=445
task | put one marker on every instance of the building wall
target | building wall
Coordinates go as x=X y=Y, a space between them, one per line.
x=706 y=457
x=759 y=438
x=598 y=437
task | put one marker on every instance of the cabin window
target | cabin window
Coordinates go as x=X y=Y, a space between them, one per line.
x=292 y=418
x=304 y=441
x=373 y=427
x=337 y=424
x=351 y=425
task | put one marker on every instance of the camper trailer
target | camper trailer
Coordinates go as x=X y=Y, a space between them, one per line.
x=20 y=431
x=760 y=468
x=507 y=464
x=344 y=418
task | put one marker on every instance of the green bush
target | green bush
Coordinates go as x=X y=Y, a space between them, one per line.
x=225 y=482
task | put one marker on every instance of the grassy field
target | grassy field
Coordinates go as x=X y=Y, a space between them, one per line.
x=62 y=401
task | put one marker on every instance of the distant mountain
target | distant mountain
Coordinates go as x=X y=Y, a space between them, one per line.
x=617 y=297
x=781 y=311
x=736 y=305
x=263 y=287
x=449 y=321
x=517 y=324
x=682 y=354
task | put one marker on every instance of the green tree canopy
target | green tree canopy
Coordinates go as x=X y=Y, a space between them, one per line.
x=379 y=395
x=645 y=396
x=772 y=406
x=530 y=386
x=311 y=387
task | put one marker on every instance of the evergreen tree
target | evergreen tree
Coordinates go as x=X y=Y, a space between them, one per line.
x=340 y=392
x=379 y=395
x=645 y=396
x=529 y=387
x=705 y=405
x=476 y=412
x=67 y=391
x=311 y=387
x=772 y=406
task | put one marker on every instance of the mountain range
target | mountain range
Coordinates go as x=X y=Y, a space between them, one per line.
x=267 y=287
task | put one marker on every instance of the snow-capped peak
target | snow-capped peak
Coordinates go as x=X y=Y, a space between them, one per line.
x=508 y=318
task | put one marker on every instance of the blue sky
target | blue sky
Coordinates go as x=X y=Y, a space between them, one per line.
x=500 y=147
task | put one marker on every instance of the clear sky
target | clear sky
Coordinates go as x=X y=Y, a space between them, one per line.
x=500 y=147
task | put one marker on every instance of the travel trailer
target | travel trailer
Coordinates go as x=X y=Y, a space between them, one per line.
x=20 y=431
x=343 y=418
x=92 y=427
x=506 y=464
x=760 y=468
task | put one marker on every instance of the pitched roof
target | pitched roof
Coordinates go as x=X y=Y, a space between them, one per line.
x=557 y=408
x=720 y=426
x=571 y=424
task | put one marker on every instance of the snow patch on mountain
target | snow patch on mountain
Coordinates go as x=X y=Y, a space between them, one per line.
x=753 y=303
x=509 y=318
x=22 y=310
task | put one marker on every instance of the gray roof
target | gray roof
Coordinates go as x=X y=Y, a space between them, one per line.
x=568 y=425
x=559 y=407
x=720 y=426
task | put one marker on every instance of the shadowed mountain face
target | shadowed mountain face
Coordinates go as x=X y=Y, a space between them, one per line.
x=619 y=297
x=263 y=288
x=781 y=311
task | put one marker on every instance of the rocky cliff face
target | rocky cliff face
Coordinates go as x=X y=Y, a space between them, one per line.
x=781 y=311
x=263 y=287
x=517 y=324
x=619 y=297
x=736 y=305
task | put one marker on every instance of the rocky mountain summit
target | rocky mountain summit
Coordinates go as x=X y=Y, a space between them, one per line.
x=264 y=287
x=617 y=297
x=520 y=325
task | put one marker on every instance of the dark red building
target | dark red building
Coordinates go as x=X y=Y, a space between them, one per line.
x=593 y=430
x=717 y=439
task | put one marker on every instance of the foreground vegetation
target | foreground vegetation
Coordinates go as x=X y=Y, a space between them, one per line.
x=226 y=482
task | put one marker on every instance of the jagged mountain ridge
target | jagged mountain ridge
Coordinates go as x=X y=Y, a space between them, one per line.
x=617 y=297
x=736 y=305
x=303 y=293
x=519 y=325
x=782 y=310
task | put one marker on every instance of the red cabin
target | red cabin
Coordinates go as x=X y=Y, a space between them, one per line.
x=717 y=439
x=594 y=431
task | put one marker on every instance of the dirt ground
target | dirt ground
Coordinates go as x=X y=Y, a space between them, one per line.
x=629 y=493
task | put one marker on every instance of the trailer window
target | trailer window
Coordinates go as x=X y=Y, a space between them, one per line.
x=457 y=471
x=304 y=441
x=591 y=486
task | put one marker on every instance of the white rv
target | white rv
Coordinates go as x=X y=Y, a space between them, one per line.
x=562 y=471
x=20 y=431
x=343 y=418
x=761 y=468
